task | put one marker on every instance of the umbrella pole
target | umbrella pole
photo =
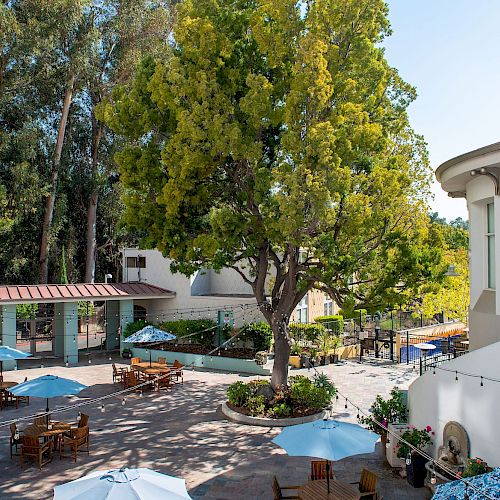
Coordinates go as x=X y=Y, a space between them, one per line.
x=149 y=358
x=328 y=476
x=47 y=410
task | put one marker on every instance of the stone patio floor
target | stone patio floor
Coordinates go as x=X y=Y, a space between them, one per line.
x=183 y=433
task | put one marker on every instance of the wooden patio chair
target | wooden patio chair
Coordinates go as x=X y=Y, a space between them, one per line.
x=162 y=361
x=118 y=373
x=14 y=442
x=17 y=400
x=77 y=439
x=277 y=490
x=31 y=448
x=164 y=381
x=318 y=470
x=84 y=420
x=367 y=484
x=132 y=381
x=178 y=371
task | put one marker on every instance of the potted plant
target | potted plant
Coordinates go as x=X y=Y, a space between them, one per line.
x=326 y=343
x=294 y=358
x=336 y=343
x=415 y=462
x=476 y=466
x=313 y=356
x=386 y=411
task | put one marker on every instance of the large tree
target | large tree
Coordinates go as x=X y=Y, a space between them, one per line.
x=275 y=141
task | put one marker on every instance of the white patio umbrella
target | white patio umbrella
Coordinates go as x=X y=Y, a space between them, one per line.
x=123 y=484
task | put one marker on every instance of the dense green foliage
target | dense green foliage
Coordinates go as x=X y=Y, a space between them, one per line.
x=276 y=135
x=476 y=466
x=200 y=331
x=135 y=326
x=306 y=331
x=334 y=322
x=386 y=411
x=419 y=438
x=49 y=51
x=303 y=396
x=259 y=333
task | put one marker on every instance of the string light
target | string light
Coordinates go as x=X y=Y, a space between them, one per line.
x=482 y=382
x=345 y=406
x=123 y=401
x=456 y=376
x=408 y=459
x=102 y=408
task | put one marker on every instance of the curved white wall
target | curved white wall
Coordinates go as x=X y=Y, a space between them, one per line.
x=436 y=399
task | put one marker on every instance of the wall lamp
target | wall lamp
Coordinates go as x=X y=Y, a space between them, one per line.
x=493 y=177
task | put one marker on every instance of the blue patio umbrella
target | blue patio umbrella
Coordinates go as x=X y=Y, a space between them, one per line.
x=328 y=439
x=123 y=484
x=487 y=484
x=9 y=354
x=48 y=386
x=148 y=335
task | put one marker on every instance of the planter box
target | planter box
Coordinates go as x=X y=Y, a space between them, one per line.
x=416 y=471
x=392 y=451
x=294 y=361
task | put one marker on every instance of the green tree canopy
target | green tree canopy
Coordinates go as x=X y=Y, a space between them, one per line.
x=274 y=140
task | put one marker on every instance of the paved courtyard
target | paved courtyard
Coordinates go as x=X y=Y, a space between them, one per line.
x=183 y=433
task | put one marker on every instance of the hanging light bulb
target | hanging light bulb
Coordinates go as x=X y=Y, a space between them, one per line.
x=103 y=409
x=482 y=382
x=90 y=361
x=388 y=442
x=74 y=339
x=79 y=416
x=67 y=364
x=123 y=401
x=41 y=366
x=433 y=478
x=337 y=397
x=408 y=459
x=141 y=394
x=456 y=376
x=345 y=406
x=109 y=358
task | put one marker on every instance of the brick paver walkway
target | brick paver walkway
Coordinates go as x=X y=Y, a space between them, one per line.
x=183 y=433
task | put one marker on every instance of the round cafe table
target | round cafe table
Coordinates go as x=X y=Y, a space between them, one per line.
x=316 y=490
x=7 y=385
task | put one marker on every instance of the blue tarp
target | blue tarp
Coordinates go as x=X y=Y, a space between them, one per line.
x=487 y=483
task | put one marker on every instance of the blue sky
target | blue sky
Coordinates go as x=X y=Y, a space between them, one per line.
x=450 y=51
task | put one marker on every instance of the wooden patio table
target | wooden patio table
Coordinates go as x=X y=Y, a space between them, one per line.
x=317 y=490
x=38 y=431
x=7 y=385
x=153 y=371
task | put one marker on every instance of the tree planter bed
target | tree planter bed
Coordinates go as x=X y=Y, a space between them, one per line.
x=236 y=415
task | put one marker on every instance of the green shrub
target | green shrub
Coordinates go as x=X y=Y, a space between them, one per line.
x=305 y=331
x=135 y=326
x=476 y=466
x=419 y=438
x=354 y=314
x=321 y=380
x=255 y=405
x=184 y=327
x=304 y=394
x=238 y=393
x=259 y=333
x=26 y=311
x=334 y=322
x=281 y=410
x=85 y=309
x=296 y=349
x=386 y=411
x=255 y=384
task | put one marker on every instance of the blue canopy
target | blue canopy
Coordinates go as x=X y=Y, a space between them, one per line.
x=150 y=334
x=328 y=439
x=48 y=386
x=488 y=484
x=9 y=354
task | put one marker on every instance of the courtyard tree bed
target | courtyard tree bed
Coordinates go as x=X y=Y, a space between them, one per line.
x=302 y=397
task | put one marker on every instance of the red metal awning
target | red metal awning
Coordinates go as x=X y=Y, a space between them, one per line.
x=22 y=294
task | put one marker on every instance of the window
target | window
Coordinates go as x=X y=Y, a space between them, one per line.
x=490 y=241
x=302 y=310
x=328 y=306
x=139 y=262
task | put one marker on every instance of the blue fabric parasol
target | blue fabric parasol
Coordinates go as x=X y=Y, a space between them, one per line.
x=48 y=386
x=123 y=484
x=488 y=483
x=9 y=354
x=328 y=439
x=150 y=334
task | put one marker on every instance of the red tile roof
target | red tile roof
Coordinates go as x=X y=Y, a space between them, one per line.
x=17 y=294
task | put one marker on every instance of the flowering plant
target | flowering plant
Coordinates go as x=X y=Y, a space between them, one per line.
x=419 y=438
x=476 y=466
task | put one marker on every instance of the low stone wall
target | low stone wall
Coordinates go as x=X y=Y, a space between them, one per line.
x=210 y=362
x=240 y=418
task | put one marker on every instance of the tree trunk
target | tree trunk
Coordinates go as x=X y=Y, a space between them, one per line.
x=51 y=198
x=279 y=376
x=91 y=237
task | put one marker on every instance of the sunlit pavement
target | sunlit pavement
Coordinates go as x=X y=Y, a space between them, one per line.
x=182 y=433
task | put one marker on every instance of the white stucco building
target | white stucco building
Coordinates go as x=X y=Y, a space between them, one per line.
x=456 y=391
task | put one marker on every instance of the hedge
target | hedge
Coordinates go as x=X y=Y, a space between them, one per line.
x=259 y=333
x=334 y=322
x=135 y=326
x=306 y=331
x=185 y=327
